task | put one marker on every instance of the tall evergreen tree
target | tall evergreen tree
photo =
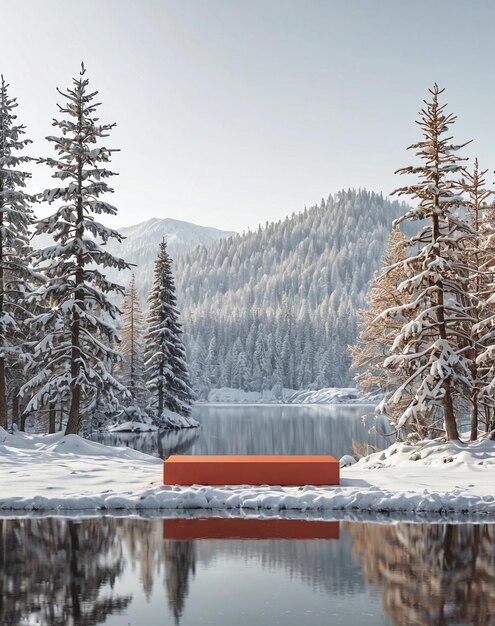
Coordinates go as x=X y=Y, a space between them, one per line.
x=16 y=218
x=165 y=358
x=131 y=369
x=75 y=357
x=431 y=346
x=484 y=330
x=479 y=252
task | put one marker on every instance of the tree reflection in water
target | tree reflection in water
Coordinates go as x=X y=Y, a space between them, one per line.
x=180 y=559
x=59 y=572
x=430 y=574
x=156 y=557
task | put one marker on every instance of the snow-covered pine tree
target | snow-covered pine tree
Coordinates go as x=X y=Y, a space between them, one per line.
x=431 y=347
x=480 y=253
x=131 y=368
x=165 y=357
x=77 y=353
x=377 y=334
x=16 y=218
x=484 y=329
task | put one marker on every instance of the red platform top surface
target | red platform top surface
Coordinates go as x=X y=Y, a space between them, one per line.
x=249 y=459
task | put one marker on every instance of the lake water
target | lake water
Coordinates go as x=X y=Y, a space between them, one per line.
x=265 y=429
x=124 y=571
x=223 y=571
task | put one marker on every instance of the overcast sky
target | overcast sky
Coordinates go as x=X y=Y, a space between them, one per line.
x=230 y=113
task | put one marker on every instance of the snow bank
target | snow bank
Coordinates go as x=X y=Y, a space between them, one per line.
x=330 y=395
x=174 y=420
x=132 y=427
x=57 y=473
x=228 y=395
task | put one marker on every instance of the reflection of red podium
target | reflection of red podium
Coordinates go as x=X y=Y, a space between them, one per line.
x=251 y=470
x=247 y=528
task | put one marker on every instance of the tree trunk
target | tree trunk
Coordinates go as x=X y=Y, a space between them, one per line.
x=51 y=418
x=474 y=415
x=447 y=401
x=3 y=385
x=22 y=426
x=160 y=392
x=15 y=407
x=75 y=365
x=449 y=415
x=72 y=427
x=3 y=394
x=60 y=416
x=160 y=400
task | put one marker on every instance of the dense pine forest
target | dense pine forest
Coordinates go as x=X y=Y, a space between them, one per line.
x=276 y=307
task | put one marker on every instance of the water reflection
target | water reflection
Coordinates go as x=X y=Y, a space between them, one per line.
x=247 y=528
x=60 y=573
x=161 y=443
x=56 y=572
x=180 y=564
x=442 y=574
x=263 y=429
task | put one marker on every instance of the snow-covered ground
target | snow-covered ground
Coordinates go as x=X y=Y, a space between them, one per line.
x=57 y=473
x=330 y=395
x=333 y=395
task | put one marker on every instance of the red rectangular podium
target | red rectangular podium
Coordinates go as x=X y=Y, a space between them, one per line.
x=251 y=470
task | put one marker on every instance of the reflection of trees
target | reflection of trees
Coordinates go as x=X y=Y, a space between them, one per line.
x=285 y=429
x=159 y=443
x=149 y=552
x=180 y=560
x=144 y=548
x=321 y=564
x=58 y=572
x=430 y=574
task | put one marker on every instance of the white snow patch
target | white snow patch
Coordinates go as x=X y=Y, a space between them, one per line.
x=333 y=395
x=132 y=427
x=174 y=420
x=330 y=395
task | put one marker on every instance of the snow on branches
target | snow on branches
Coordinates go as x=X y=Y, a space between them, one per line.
x=165 y=358
x=16 y=218
x=73 y=362
x=432 y=346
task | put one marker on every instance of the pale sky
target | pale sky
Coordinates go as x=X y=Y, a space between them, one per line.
x=234 y=112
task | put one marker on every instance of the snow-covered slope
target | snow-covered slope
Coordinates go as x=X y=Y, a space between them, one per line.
x=140 y=246
x=277 y=306
x=180 y=236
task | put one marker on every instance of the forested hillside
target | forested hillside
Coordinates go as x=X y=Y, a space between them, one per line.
x=276 y=307
x=141 y=242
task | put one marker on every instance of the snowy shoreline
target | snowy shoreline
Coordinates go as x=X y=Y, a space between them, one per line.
x=329 y=395
x=70 y=474
x=368 y=517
